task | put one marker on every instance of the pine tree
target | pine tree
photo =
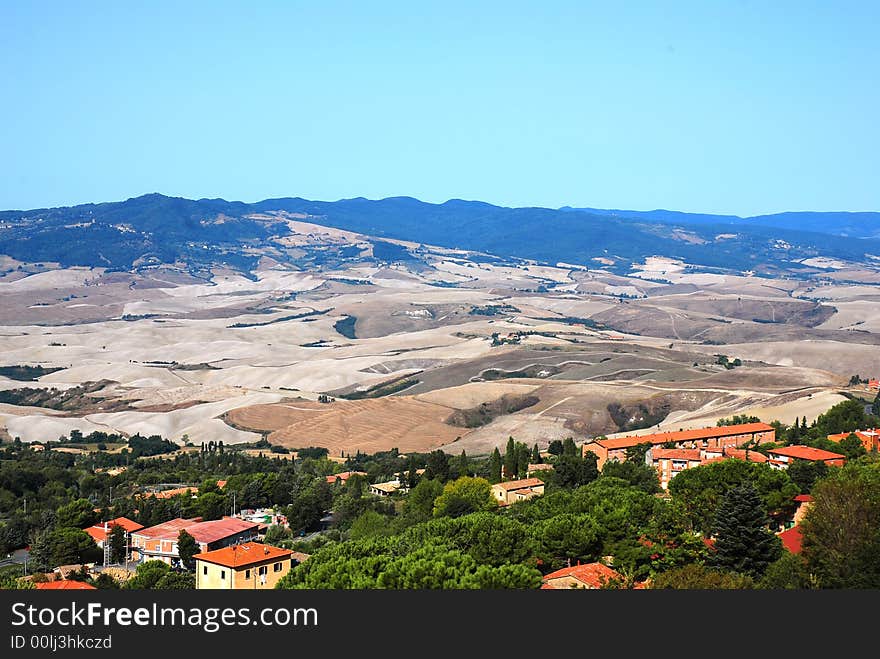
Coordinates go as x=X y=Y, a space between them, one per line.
x=569 y=447
x=536 y=455
x=510 y=459
x=495 y=466
x=743 y=543
x=187 y=547
x=116 y=539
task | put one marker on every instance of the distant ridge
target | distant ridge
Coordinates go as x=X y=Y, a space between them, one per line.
x=155 y=228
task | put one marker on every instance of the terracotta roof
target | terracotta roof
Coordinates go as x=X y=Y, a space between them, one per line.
x=685 y=435
x=675 y=454
x=792 y=539
x=806 y=453
x=238 y=556
x=742 y=454
x=99 y=534
x=861 y=434
x=803 y=498
x=167 y=529
x=344 y=476
x=520 y=484
x=64 y=585
x=218 y=529
x=591 y=574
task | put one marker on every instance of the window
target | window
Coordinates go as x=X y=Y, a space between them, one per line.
x=223 y=575
x=205 y=570
x=247 y=574
x=262 y=570
x=277 y=567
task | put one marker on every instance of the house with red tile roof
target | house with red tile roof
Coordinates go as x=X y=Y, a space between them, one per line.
x=512 y=491
x=782 y=457
x=591 y=576
x=803 y=501
x=101 y=531
x=160 y=542
x=343 y=476
x=792 y=539
x=246 y=566
x=870 y=438
x=718 y=437
x=64 y=584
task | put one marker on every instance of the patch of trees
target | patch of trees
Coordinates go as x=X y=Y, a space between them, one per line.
x=636 y=417
x=474 y=417
x=27 y=373
x=724 y=361
x=75 y=398
x=382 y=389
x=737 y=419
x=345 y=327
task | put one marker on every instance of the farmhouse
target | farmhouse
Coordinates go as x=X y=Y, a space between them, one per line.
x=719 y=438
x=513 y=491
x=250 y=566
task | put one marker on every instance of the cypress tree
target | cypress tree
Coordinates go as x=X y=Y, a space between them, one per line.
x=743 y=543
x=536 y=455
x=510 y=458
x=495 y=466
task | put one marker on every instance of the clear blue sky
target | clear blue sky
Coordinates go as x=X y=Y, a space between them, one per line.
x=740 y=107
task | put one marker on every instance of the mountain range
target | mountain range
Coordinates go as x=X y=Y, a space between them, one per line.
x=155 y=228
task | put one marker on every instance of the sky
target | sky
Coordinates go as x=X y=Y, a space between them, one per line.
x=734 y=107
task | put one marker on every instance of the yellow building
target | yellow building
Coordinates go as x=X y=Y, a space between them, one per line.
x=249 y=566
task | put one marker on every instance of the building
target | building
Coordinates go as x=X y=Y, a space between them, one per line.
x=874 y=384
x=101 y=531
x=804 y=502
x=64 y=584
x=719 y=437
x=792 y=539
x=591 y=576
x=160 y=542
x=343 y=477
x=670 y=461
x=513 y=491
x=781 y=458
x=870 y=438
x=248 y=566
x=541 y=466
x=385 y=489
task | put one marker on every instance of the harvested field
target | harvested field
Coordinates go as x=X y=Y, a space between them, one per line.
x=365 y=425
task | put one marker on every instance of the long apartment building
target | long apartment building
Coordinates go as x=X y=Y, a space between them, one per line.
x=160 y=542
x=714 y=439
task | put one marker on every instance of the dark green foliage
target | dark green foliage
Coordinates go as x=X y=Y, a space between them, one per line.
x=536 y=455
x=555 y=447
x=852 y=447
x=567 y=537
x=156 y=575
x=77 y=514
x=700 y=577
x=116 y=538
x=637 y=453
x=572 y=471
x=382 y=389
x=187 y=547
x=419 y=504
x=841 y=541
x=743 y=543
x=806 y=472
x=510 y=459
x=105 y=582
x=637 y=474
x=569 y=447
x=437 y=466
x=737 y=419
x=701 y=489
x=846 y=416
x=875 y=406
x=788 y=572
x=495 y=464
